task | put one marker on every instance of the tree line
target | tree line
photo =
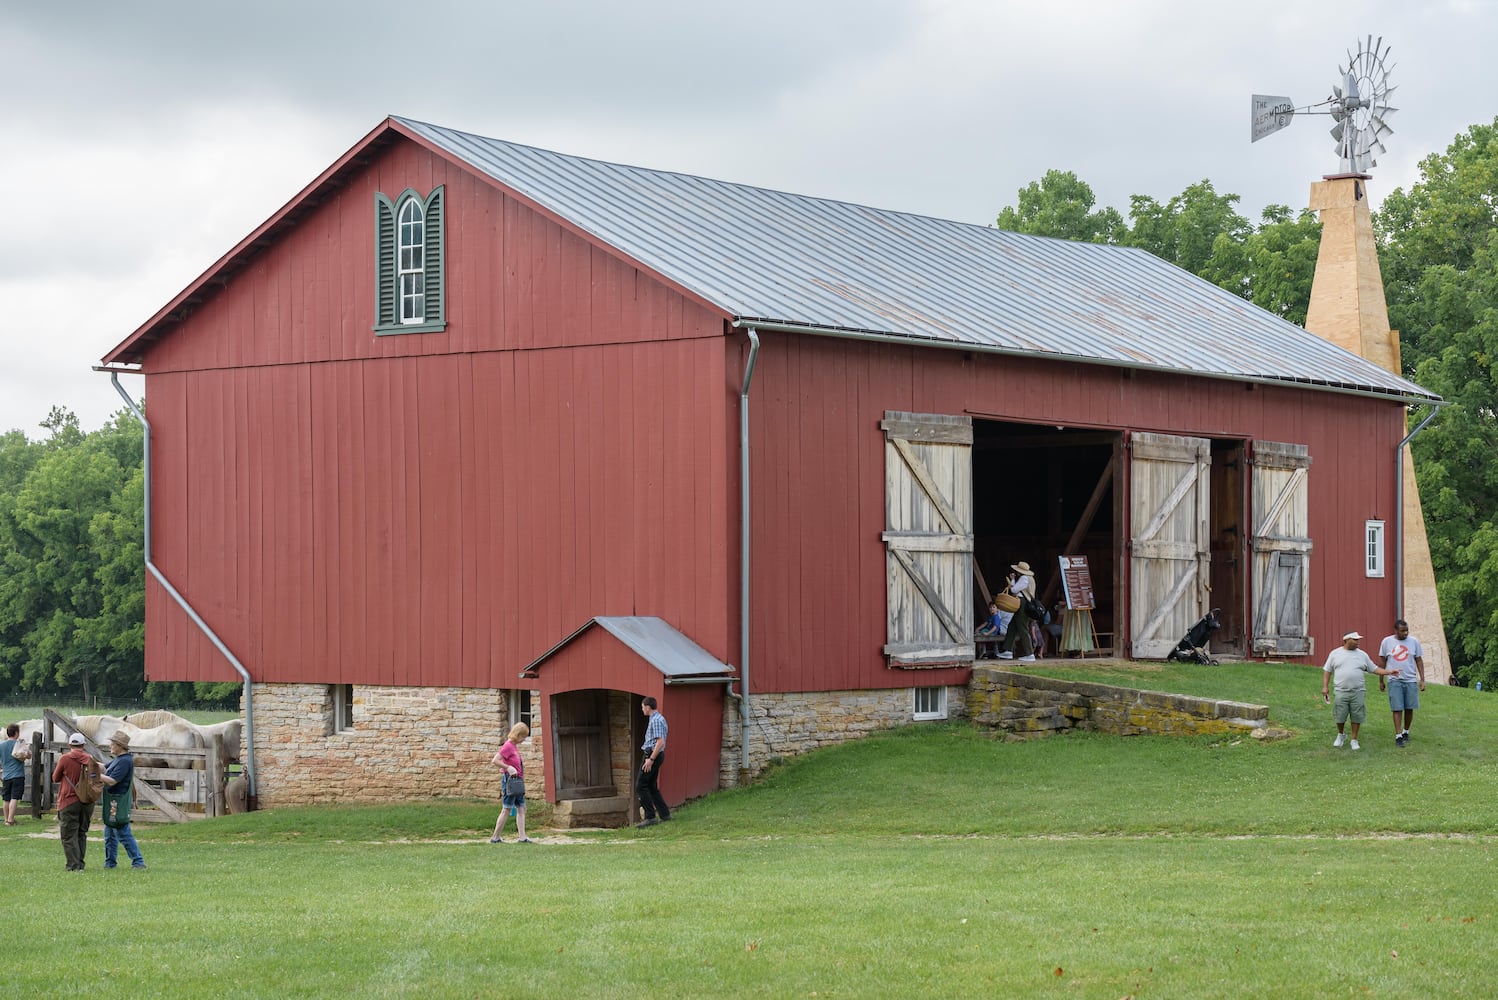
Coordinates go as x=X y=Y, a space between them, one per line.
x=1438 y=251
x=72 y=570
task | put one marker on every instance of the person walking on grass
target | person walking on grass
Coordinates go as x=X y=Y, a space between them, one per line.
x=73 y=816
x=119 y=777
x=13 y=757
x=513 y=802
x=647 y=785
x=1346 y=666
x=1404 y=690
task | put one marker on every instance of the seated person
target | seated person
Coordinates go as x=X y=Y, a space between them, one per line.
x=992 y=628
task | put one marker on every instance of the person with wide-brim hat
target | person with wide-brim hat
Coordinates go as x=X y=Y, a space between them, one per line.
x=119 y=778
x=1017 y=644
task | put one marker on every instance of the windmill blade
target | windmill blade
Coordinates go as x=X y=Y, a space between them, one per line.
x=1337 y=132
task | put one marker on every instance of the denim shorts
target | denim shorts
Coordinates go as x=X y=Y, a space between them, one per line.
x=1404 y=696
x=1350 y=706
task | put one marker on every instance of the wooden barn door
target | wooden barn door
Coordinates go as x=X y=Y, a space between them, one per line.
x=1169 y=541
x=580 y=734
x=928 y=503
x=1280 y=549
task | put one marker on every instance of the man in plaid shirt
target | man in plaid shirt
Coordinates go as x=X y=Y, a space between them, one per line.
x=648 y=787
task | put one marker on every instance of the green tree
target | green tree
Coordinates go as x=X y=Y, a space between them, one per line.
x=1186 y=231
x=1438 y=246
x=1060 y=205
x=1279 y=262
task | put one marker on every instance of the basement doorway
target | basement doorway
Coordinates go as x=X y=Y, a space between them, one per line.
x=1040 y=492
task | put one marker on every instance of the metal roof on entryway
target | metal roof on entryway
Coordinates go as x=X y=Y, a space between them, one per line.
x=786 y=260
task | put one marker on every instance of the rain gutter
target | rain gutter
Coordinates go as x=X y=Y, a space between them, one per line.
x=744 y=548
x=1399 y=508
x=249 y=715
x=916 y=341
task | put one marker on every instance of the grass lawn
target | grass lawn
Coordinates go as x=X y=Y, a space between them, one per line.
x=1076 y=866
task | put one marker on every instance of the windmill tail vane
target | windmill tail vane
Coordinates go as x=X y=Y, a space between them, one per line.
x=1359 y=106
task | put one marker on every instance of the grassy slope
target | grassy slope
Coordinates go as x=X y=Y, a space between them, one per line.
x=1145 y=867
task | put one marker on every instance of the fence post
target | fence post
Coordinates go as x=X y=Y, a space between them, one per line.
x=38 y=759
x=215 y=804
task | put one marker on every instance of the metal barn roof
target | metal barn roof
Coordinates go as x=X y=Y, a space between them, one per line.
x=781 y=260
x=655 y=641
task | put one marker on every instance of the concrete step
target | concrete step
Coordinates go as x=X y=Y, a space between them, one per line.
x=602 y=812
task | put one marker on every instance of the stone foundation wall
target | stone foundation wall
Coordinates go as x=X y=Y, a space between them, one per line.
x=1034 y=706
x=405 y=743
x=785 y=725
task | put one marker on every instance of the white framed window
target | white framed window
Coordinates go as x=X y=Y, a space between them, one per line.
x=1373 y=548
x=343 y=708
x=930 y=703
x=520 y=708
x=412 y=262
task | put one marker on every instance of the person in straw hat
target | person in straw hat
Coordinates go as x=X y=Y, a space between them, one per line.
x=1017 y=644
x=1345 y=667
x=119 y=778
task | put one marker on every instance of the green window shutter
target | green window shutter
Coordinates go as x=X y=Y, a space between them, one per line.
x=433 y=264
x=436 y=259
x=386 y=289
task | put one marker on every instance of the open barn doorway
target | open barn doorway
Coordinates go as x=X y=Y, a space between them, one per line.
x=1039 y=492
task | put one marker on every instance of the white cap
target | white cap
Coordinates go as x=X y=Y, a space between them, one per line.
x=1351 y=635
x=76 y=739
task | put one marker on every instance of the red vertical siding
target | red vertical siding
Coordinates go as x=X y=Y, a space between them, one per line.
x=818 y=481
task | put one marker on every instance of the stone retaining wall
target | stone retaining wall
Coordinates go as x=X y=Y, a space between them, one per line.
x=789 y=724
x=1034 y=706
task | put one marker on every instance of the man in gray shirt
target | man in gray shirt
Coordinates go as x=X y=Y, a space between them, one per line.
x=1346 y=666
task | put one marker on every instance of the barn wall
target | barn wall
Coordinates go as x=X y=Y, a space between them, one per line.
x=817 y=468
x=406 y=744
x=436 y=521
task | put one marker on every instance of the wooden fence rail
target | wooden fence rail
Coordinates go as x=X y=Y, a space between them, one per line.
x=159 y=791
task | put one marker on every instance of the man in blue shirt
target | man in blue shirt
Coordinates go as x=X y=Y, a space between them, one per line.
x=13 y=771
x=648 y=783
x=119 y=776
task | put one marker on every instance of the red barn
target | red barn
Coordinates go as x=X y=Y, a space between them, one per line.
x=471 y=432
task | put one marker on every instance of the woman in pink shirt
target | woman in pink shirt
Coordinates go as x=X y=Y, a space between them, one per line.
x=509 y=763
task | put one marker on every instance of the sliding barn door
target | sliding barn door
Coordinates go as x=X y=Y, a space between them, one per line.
x=1281 y=549
x=928 y=502
x=1169 y=547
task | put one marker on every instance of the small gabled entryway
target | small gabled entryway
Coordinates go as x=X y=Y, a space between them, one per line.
x=591 y=687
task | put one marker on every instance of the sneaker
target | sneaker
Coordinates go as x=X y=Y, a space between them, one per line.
x=1338 y=741
x=1399 y=740
x=648 y=822
x=496 y=840
x=1027 y=659
x=523 y=840
x=1355 y=745
x=141 y=866
x=1406 y=735
x=1006 y=655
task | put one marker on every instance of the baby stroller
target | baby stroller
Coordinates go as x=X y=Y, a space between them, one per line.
x=1193 y=645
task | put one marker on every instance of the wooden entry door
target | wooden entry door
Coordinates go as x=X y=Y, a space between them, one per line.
x=1169 y=554
x=1281 y=547
x=580 y=726
x=928 y=503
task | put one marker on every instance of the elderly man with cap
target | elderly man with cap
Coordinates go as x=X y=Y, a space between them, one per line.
x=119 y=777
x=1017 y=643
x=73 y=817
x=1345 y=667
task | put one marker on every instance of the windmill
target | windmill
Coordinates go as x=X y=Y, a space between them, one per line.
x=1359 y=105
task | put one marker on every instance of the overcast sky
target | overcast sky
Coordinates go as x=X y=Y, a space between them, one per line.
x=140 y=141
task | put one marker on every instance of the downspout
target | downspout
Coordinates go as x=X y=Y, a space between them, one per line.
x=1399 y=509
x=249 y=715
x=744 y=550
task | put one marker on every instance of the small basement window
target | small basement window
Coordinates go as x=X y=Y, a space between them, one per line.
x=930 y=703
x=520 y=708
x=343 y=708
x=1374 y=547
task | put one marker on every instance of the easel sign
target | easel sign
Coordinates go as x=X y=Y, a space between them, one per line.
x=1076 y=581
